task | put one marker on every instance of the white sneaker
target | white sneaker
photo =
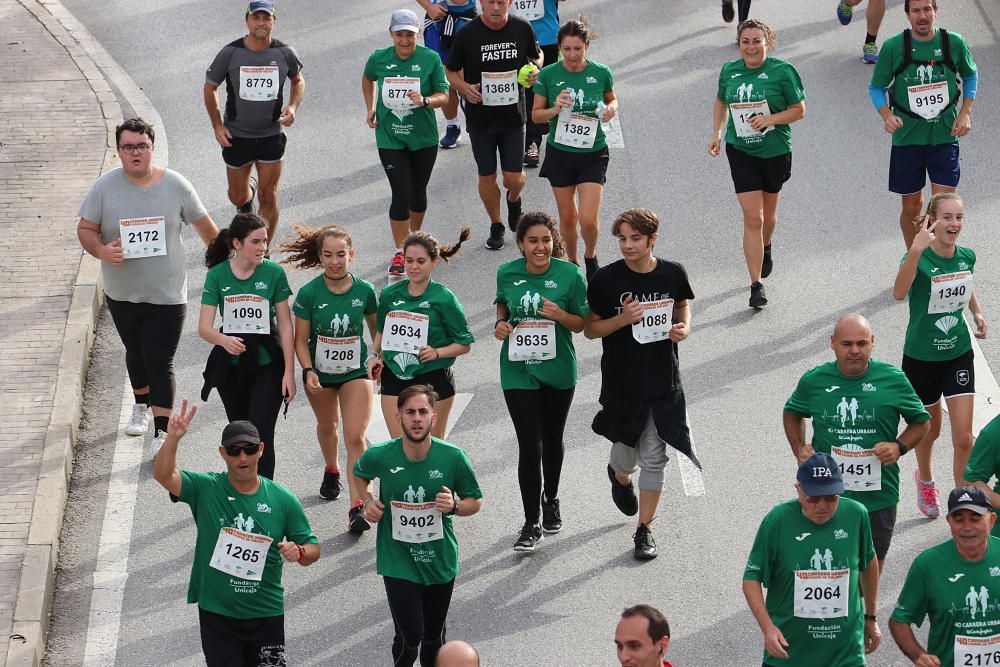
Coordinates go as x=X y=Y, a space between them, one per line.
x=138 y=423
x=157 y=442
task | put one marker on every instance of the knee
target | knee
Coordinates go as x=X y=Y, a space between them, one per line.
x=754 y=223
x=354 y=440
x=651 y=479
x=934 y=432
x=268 y=197
x=327 y=429
x=512 y=180
x=912 y=205
x=238 y=195
x=962 y=442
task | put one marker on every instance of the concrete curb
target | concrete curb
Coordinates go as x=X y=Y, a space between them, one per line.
x=37 y=582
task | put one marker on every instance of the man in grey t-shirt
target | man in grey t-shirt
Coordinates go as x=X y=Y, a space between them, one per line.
x=131 y=221
x=254 y=69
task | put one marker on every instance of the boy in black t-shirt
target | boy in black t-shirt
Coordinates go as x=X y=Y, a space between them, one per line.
x=639 y=310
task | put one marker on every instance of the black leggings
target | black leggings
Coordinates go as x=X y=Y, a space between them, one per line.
x=408 y=173
x=539 y=417
x=744 y=10
x=533 y=131
x=418 y=613
x=257 y=399
x=150 y=333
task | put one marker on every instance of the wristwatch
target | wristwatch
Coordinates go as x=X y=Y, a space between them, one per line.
x=306 y=371
x=427 y=102
x=902 y=446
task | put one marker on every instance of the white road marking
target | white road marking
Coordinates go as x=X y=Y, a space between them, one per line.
x=111 y=573
x=377 y=431
x=691 y=478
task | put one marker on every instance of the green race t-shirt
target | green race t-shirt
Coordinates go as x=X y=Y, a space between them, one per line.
x=959 y=598
x=338 y=322
x=409 y=127
x=427 y=552
x=940 y=291
x=850 y=416
x=984 y=461
x=240 y=299
x=768 y=89
x=811 y=573
x=589 y=87
x=273 y=512
x=919 y=131
x=522 y=292
x=445 y=321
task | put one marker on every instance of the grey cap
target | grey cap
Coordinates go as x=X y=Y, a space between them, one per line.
x=404 y=19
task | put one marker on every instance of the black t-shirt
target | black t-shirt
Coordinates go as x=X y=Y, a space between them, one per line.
x=478 y=48
x=632 y=370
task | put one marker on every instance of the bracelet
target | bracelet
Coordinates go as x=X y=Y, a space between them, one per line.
x=902 y=446
x=306 y=371
x=454 y=507
x=302 y=552
x=497 y=323
x=370 y=357
x=870 y=617
x=437 y=354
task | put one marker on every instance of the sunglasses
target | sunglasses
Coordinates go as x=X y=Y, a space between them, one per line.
x=815 y=500
x=249 y=449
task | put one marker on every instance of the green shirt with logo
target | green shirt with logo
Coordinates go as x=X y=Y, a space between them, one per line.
x=337 y=316
x=446 y=325
x=432 y=556
x=942 y=335
x=962 y=600
x=413 y=128
x=272 y=511
x=589 y=87
x=984 y=461
x=522 y=292
x=768 y=89
x=853 y=414
x=920 y=131
x=268 y=280
x=811 y=574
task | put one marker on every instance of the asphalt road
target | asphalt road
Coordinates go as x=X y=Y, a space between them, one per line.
x=836 y=250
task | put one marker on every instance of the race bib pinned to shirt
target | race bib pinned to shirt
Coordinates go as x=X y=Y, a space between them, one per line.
x=657 y=318
x=977 y=651
x=337 y=356
x=259 y=84
x=860 y=468
x=743 y=112
x=529 y=10
x=822 y=593
x=246 y=313
x=241 y=554
x=396 y=92
x=928 y=100
x=578 y=131
x=532 y=339
x=404 y=331
x=143 y=237
x=416 y=523
x=950 y=292
x=499 y=88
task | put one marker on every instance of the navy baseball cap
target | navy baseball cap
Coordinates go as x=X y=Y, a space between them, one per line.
x=819 y=476
x=240 y=431
x=969 y=498
x=260 y=6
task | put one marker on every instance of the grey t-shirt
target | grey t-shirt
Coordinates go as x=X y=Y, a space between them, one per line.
x=254 y=84
x=147 y=214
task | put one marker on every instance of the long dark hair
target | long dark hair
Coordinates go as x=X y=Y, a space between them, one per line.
x=532 y=218
x=304 y=249
x=221 y=246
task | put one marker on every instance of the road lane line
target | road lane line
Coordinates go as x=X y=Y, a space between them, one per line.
x=377 y=431
x=691 y=476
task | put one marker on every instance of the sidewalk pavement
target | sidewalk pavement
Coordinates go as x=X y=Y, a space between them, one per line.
x=57 y=120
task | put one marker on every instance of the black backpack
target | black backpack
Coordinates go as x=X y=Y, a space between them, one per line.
x=908 y=60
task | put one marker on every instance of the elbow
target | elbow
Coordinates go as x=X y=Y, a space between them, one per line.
x=588 y=333
x=899 y=296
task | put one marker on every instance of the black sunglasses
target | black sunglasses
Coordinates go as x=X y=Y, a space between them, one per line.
x=249 y=449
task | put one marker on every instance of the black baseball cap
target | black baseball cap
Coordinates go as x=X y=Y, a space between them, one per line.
x=969 y=498
x=240 y=431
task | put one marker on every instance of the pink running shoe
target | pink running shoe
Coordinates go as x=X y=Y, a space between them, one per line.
x=927 y=497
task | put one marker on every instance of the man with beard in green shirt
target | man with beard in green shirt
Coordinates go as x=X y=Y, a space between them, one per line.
x=811 y=554
x=956 y=585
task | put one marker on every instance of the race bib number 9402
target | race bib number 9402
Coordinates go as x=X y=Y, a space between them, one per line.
x=416 y=523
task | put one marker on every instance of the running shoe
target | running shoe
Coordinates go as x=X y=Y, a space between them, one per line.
x=397 y=267
x=623 y=495
x=531 y=155
x=160 y=436
x=495 y=241
x=356 y=521
x=645 y=545
x=330 y=487
x=513 y=213
x=592 y=266
x=869 y=53
x=451 y=136
x=728 y=14
x=758 y=299
x=927 y=497
x=768 y=265
x=138 y=423
x=248 y=207
x=551 y=519
x=531 y=534
x=844 y=12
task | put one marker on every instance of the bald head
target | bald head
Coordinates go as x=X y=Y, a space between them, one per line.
x=852 y=341
x=855 y=321
x=457 y=654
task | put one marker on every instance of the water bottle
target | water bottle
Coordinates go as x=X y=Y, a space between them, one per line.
x=601 y=108
x=566 y=112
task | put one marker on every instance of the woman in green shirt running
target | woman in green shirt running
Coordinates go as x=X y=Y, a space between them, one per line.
x=331 y=312
x=421 y=330
x=252 y=364
x=936 y=277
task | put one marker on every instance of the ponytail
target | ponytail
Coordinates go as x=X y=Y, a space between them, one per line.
x=221 y=246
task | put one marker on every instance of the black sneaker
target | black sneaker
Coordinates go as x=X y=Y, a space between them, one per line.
x=757 y=297
x=623 y=495
x=356 y=521
x=531 y=534
x=248 y=207
x=768 y=263
x=331 y=486
x=645 y=545
x=495 y=241
x=513 y=213
x=592 y=266
x=728 y=14
x=551 y=519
